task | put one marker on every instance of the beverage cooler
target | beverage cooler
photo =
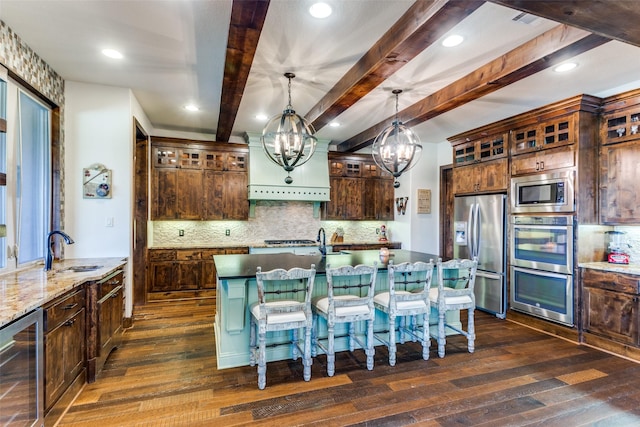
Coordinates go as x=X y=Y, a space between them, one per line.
x=21 y=371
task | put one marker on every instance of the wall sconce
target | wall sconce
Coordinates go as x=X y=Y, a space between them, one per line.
x=401 y=204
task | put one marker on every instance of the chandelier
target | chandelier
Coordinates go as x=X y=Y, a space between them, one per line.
x=396 y=149
x=288 y=139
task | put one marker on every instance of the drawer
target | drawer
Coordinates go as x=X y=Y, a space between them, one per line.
x=609 y=280
x=109 y=283
x=161 y=255
x=188 y=255
x=63 y=308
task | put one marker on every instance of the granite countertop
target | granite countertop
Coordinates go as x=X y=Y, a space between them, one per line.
x=262 y=244
x=25 y=290
x=244 y=266
x=618 y=268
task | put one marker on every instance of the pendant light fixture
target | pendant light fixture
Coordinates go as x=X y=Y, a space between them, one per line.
x=288 y=139
x=396 y=149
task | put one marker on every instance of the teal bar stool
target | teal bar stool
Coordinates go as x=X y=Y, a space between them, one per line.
x=456 y=279
x=349 y=300
x=284 y=304
x=408 y=297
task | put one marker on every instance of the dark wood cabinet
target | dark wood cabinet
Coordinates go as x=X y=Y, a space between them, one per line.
x=620 y=159
x=184 y=273
x=64 y=344
x=105 y=312
x=193 y=181
x=490 y=176
x=479 y=149
x=549 y=133
x=480 y=161
x=611 y=305
x=544 y=161
x=359 y=189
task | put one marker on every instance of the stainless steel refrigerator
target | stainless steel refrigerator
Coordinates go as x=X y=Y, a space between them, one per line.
x=479 y=227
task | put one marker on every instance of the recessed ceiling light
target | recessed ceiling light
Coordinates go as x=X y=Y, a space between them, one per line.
x=320 y=10
x=334 y=124
x=261 y=117
x=112 y=53
x=191 y=107
x=452 y=40
x=567 y=66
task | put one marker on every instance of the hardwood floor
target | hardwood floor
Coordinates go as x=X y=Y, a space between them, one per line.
x=165 y=375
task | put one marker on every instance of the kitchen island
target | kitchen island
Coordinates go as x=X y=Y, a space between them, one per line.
x=237 y=291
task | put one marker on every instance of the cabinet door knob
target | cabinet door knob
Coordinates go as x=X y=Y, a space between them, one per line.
x=70 y=322
x=541 y=166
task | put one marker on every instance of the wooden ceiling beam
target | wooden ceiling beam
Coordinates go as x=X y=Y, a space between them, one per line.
x=617 y=20
x=423 y=23
x=247 y=20
x=556 y=45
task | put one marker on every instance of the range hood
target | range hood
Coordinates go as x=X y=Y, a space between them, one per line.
x=266 y=179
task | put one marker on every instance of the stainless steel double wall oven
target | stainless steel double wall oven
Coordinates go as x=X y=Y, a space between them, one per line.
x=541 y=246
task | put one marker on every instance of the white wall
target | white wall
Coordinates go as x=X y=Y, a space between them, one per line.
x=98 y=129
x=420 y=232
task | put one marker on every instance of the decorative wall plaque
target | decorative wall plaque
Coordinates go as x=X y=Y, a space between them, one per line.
x=424 y=201
x=96 y=182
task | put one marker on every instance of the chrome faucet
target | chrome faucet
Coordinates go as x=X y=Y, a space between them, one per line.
x=49 y=244
x=323 y=242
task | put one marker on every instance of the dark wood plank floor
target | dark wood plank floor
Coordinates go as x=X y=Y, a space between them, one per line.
x=165 y=375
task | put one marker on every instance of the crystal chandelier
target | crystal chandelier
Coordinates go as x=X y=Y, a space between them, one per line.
x=288 y=139
x=396 y=149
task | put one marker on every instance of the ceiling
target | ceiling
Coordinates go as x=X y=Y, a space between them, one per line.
x=229 y=58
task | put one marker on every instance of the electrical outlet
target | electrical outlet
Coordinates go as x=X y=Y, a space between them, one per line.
x=227 y=232
x=377 y=231
x=181 y=233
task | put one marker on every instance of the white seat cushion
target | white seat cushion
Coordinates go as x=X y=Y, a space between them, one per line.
x=322 y=304
x=463 y=299
x=384 y=297
x=276 y=318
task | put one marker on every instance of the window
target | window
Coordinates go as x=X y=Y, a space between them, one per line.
x=25 y=156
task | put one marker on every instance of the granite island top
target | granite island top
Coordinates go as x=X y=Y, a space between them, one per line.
x=25 y=290
x=244 y=266
x=618 y=268
x=262 y=244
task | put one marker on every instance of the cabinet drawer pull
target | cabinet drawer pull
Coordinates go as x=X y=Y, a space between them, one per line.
x=70 y=306
x=115 y=295
x=70 y=322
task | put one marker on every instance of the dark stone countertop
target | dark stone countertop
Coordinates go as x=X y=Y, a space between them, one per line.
x=244 y=266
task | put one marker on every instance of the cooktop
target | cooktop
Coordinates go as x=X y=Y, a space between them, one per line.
x=289 y=242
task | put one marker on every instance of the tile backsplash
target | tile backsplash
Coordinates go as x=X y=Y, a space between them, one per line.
x=272 y=220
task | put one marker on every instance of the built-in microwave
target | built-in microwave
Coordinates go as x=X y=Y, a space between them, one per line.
x=549 y=192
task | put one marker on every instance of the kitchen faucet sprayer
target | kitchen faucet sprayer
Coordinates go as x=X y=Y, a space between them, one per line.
x=323 y=242
x=49 y=244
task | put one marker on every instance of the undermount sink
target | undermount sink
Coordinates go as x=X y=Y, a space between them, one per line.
x=83 y=268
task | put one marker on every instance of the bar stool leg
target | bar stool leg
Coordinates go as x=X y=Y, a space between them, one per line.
x=262 y=361
x=442 y=340
x=392 y=340
x=307 y=361
x=471 y=331
x=370 y=350
x=426 y=337
x=331 y=355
